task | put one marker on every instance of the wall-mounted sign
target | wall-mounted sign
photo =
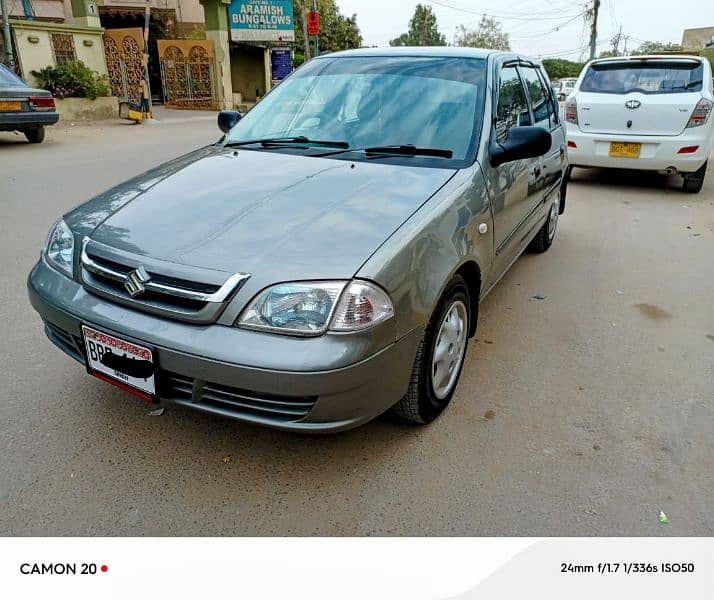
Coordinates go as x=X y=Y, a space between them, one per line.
x=313 y=23
x=262 y=21
x=281 y=63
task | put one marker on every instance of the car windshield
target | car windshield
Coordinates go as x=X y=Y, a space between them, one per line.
x=648 y=77
x=8 y=78
x=426 y=102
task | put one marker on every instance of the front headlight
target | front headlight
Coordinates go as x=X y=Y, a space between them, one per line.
x=311 y=308
x=59 y=248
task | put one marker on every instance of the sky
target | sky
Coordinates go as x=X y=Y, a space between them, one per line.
x=539 y=28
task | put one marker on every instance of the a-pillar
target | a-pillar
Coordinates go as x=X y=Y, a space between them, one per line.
x=216 y=16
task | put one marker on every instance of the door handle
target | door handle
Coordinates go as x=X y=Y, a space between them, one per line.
x=536 y=171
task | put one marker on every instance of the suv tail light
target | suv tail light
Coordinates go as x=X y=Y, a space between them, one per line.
x=701 y=113
x=571 y=111
x=41 y=102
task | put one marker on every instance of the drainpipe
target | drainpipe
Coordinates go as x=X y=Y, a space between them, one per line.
x=27 y=8
x=9 y=57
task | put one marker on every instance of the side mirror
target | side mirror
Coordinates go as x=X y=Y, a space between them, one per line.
x=227 y=119
x=521 y=142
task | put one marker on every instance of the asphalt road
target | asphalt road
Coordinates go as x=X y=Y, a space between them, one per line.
x=585 y=413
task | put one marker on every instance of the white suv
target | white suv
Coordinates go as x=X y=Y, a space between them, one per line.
x=643 y=112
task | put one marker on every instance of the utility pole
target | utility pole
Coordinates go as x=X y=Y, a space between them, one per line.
x=304 y=30
x=616 y=42
x=9 y=56
x=593 y=31
x=317 y=37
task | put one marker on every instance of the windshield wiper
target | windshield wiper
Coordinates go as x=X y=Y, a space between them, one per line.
x=298 y=139
x=409 y=150
x=402 y=149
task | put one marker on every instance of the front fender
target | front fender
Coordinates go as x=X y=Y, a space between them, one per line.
x=417 y=261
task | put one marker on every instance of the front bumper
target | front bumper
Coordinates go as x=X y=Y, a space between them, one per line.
x=26 y=120
x=657 y=152
x=288 y=398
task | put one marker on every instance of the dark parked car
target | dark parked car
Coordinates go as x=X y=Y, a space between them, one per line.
x=23 y=108
x=325 y=260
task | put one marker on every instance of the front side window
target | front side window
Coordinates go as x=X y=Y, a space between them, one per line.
x=539 y=97
x=649 y=76
x=512 y=108
x=427 y=102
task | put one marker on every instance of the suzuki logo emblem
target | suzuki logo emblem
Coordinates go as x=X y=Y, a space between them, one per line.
x=135 y=281
x=632 y=104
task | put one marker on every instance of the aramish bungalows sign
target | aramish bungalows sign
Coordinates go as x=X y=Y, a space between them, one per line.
x=262 y=21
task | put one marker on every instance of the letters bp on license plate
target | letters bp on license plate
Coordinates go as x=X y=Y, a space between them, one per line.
x=119 y=361
x=625 y=149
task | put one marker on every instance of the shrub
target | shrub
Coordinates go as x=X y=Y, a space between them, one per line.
x=73 y=79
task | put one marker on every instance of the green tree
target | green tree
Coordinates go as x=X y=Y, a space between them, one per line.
x=337 y=32
x=488 y=34
x=423 y=30
x=558 y=68
x=657 y=48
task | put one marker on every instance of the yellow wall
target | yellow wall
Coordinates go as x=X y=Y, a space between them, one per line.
x=34 y=56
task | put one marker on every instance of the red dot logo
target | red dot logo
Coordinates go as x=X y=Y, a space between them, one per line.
x=104 y=568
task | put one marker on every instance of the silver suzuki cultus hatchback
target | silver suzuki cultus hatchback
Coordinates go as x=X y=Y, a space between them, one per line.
x=324 y=261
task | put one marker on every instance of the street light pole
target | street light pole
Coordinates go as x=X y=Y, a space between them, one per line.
x=9 y=56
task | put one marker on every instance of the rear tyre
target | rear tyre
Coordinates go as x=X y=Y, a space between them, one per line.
x=439 y=358
x=35 y=136
x=693 y=182
x=544 y=238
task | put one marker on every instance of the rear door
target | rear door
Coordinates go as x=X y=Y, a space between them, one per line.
x=639 y=97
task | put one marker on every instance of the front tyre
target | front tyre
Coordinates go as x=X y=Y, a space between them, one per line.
x=439 y=358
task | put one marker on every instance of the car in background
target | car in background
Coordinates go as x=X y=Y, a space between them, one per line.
x=23 y=108
x=557 y=87
x=406 y=181
x=644 y=112
x=566 y=87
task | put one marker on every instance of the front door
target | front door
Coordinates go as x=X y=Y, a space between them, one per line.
x=512 y=185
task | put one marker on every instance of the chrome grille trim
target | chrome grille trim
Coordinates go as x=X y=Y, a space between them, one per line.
x=218 y=296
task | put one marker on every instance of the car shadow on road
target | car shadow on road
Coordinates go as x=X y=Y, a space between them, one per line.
x=624 y=178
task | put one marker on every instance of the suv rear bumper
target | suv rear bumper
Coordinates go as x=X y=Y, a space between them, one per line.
x=657 y=153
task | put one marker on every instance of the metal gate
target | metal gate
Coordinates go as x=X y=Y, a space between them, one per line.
x=188 y=73
x=124 y=49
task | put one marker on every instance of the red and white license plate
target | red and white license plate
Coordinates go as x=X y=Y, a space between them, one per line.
x=124 y=363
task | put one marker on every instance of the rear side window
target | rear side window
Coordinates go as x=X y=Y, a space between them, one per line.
x=540 y=104
x=512 y=109
x=8 y=78
x=647 y=77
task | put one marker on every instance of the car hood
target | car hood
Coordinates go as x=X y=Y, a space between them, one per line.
x=281 y=215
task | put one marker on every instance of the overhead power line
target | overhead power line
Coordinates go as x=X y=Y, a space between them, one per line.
x=472 y=11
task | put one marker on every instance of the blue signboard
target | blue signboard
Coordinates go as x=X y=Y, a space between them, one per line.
x=262 y=21
x=281 y=62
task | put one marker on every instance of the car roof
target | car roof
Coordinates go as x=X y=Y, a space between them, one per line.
x=430 y=51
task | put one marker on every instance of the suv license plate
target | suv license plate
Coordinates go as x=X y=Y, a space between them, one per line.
x=123 y=363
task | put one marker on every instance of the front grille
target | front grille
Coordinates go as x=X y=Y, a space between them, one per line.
x=234 y=402
x=107 y=273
